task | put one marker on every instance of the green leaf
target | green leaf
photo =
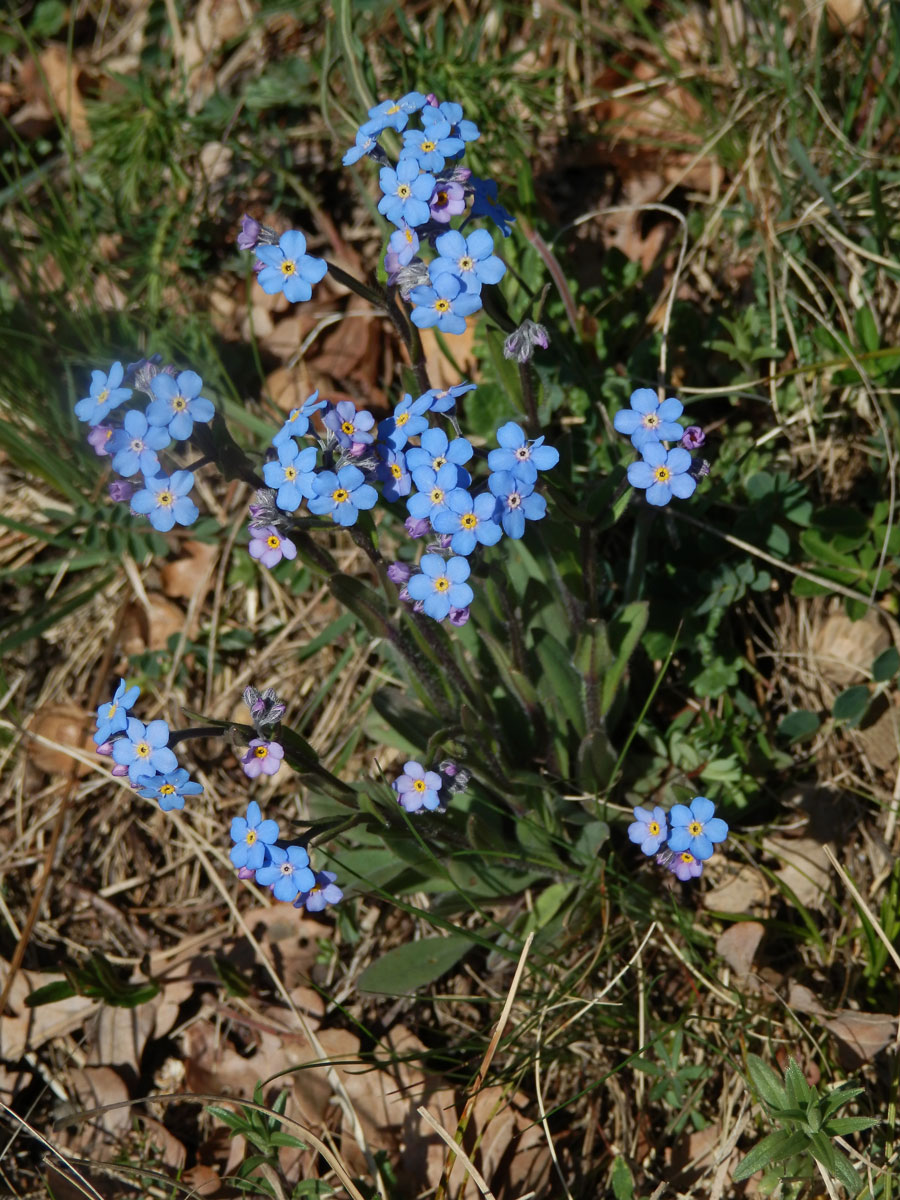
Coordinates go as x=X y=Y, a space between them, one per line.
x=798 y=726
x=774 y=1148
x=850 y=706
x=621 y=1180
x=886 y=665
x=407 y=968
x=767 y=1084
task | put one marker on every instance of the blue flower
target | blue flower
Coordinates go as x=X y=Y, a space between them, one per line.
x=432 y=146
x=105 y=395
x=518 y=502
x=298 y=422
x=471 y=260
x=442 y=400
x=404 y=242
x=288 y=268
x=406 y=193
x=694 y=828
x=169 y=789
x=342 y=495
x=407 y=421
x=113 y=717
x=349 y=424
x=485 y=204
x=165 y=499
x=366 y=141
x=649 y=421
x=522 y=457
x=287 y=872
x=324 y=891
x=417 y=788
x=178 y=404
x=394 y=114
x=293 y=475
x=393 y=473
x=252 y=837
x=648 y=829
x=446 y=304
x=144 y=749
x=432 y=489
x=134 y=446
x=469 y=521
x=435 y=450
x=663 y=473
x=441 y=585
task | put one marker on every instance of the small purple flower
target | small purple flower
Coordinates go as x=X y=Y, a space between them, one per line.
x=168 y=790
x=417 y=788
x=323 y=892
x=269 y=547
x=134 y=446
x=448 y=201
x=293 y=474
x=393 y=473
x=695 y=828
x=113 y=716
x=349 y=424
x=663 y=473
x=288 y=268
x=648 y=420
x=262 y=758
x=522 y=457
x=166 y=501
x=684 y=865
x=518 y=502
x=98 y=439
x=144 y=750
x=120 y=491
x=105 y=395
x=471 y=260
x=441 y=585
x=445 y=304
x=342 y=495
x=648 y=829
x=287 y=873
x=252 y=837
x=178 y=404
x=693 y=437
x=406 y=193
x=404 y=245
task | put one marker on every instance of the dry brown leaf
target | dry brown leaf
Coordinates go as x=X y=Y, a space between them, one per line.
x=740 y=893
x=192 y=572
x=150 y=630
x=804 y=869
x=738 y=945
x=62 y=725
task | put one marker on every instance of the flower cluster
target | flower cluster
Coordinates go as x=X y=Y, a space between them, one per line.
x=418 y=789
x=650 y=423
x=258 y=853
x=133 y=439
x=422 y=194
x=414 y=460
x=694 y=833
x=142 y=751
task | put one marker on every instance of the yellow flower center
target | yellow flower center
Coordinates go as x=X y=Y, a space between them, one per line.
x=340 y=495
x=662 y=474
